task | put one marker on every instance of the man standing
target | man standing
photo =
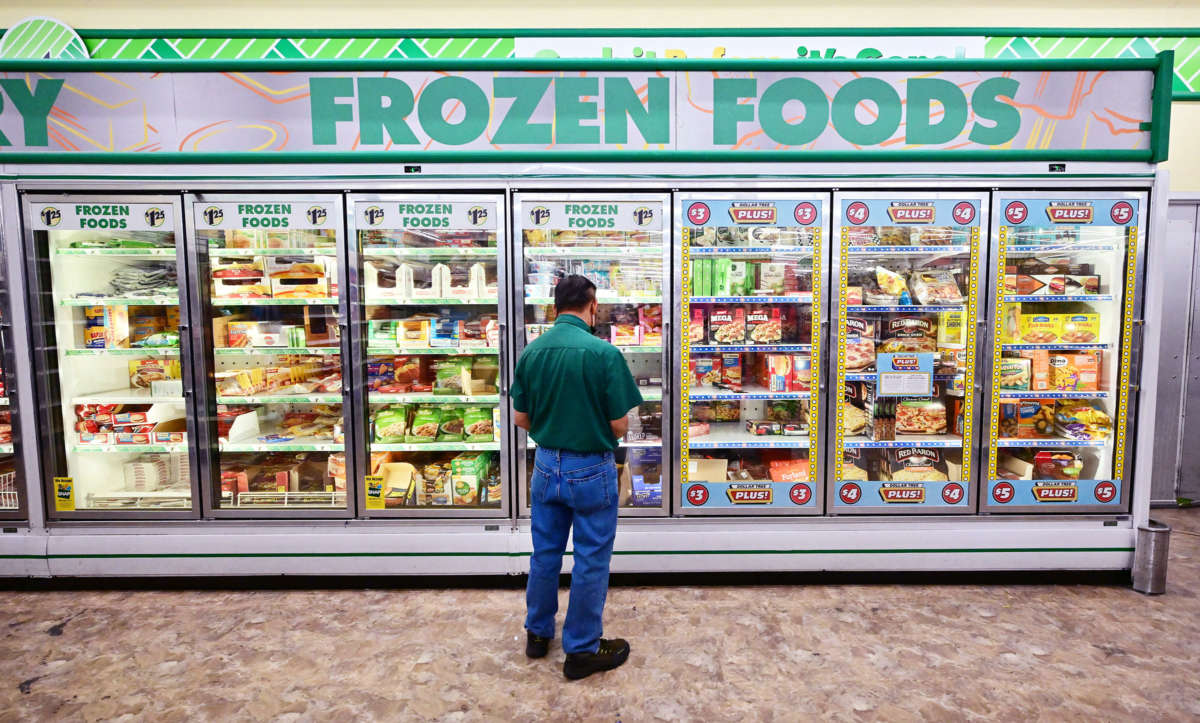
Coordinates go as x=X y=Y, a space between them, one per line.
x=572 y=392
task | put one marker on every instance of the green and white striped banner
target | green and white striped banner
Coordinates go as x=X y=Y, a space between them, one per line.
x=1187 y=52
x=168 y=48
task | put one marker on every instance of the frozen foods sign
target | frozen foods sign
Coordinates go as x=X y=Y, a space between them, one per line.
x=100 y=216
x=548 y=112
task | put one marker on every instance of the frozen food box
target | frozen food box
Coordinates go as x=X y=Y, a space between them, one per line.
x=707 y=470
x=1075 y=372
x=302 y=277
x=239 y=278
x=1034 y=418
x=706 y=370
x=1011 y=329
x=1079 y=328
x=1039 y=369
x=727 y=325
x=106 y=327
x=771 y=278
x=1014 y=373
x=1040 y=328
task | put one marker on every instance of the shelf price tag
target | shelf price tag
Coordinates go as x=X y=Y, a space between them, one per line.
x=905 y=375
x=64 y=494
x=374 y=485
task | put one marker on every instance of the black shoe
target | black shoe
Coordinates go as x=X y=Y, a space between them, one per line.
x=611 y=654
x=536 y=646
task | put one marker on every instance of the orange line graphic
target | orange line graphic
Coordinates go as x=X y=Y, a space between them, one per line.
x=183 y=142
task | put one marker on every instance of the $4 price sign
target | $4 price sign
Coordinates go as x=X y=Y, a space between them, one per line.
x=964 y=213
x=857 y=213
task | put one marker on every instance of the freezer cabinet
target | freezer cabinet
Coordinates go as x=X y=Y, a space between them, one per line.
x=430 y=331
x=908 y=286
x=752 y=287
x=109 y=283
x=271 y=297
x=1067 y=268
x=620 y=242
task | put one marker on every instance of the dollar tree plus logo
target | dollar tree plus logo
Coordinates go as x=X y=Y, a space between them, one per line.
x=51 y=216
x=373 y=215
x=643 y=215
x=155 y=217
x=213 y=215
x=539 y=215
x=316 y=215
x=477 y=215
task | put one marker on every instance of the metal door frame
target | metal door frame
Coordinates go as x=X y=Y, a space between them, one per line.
x=202 y=337
x=971 y=451
x=40 y=294
x=820 y=328
x=579 y=192
x=358 y=322
x=1067 y=192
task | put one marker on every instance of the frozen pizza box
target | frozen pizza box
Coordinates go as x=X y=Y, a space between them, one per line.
x=727 y=325
x=915 y=464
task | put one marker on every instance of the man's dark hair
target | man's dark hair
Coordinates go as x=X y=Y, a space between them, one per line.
x=573 y=293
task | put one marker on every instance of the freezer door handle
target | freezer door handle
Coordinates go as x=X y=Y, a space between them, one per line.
x=503 y=361
x=668 y=377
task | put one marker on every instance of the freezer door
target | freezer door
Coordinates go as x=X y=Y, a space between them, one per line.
x=1065 y=297
x=903 y=387
x=753 y=281
x=12 y=474
x=430 y=315
x=271 y=297
x=621 y=243
x=108 y=283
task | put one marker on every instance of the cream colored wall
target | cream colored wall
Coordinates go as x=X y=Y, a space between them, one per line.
x=601 y=13
x=1185 y=142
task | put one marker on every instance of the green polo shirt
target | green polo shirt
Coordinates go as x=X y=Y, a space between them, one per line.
x=571 y=384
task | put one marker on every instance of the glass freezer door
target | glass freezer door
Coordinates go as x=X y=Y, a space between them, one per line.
x=908 y=292
x=110 y=276
x=619 y=242
x=12 y=477
x=750 y=351
x=1066 y=267
x=431 y=321
x=271 y=276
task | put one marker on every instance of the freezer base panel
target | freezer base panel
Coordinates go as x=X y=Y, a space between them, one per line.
x=642 y=546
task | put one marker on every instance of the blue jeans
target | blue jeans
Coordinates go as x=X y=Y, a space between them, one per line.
x=580 y=489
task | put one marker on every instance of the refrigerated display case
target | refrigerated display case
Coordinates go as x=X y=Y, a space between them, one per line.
x=908 y=269
x=271 y=304
x=13 y=504
x=620 y=242
x=1066 y=292
x=110 y=276
x=430 y=326
x=750 y=340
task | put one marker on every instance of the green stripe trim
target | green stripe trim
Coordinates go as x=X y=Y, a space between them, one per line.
x=692 y=32
x=835 y=551
x=418 y=156
x=570 y=64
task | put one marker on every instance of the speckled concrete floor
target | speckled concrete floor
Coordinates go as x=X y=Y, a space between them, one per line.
x=846 y=652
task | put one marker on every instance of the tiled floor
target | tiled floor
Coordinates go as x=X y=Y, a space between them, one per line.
x=847 y=652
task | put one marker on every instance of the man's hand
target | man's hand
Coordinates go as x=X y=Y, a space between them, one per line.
x=521 y=419
x=619 y=427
